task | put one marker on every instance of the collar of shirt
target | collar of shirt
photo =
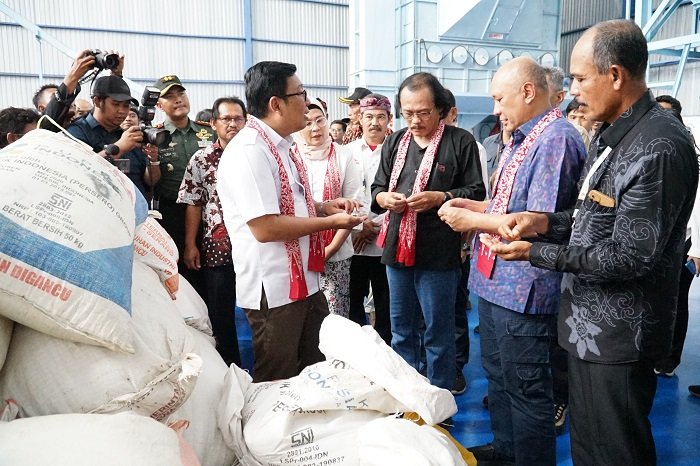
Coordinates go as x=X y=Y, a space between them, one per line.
x=365 y=146
x=167 y=124
x=613 y=134
x=90 y=120
x=284 y=144
x=523 y=130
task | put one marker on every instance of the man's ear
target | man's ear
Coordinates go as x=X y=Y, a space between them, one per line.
x=529 y=92
x=273 y=105
x=12 y=137
x=618 y=76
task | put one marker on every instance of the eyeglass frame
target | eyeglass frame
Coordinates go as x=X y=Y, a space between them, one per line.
x=422 y=115
x=238 y=120
x=311 y=123
x=303 y=94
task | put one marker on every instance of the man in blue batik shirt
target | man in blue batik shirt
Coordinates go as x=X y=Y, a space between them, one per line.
x=518 y=303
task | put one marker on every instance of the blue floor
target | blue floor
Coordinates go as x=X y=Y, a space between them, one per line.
x=675 y=416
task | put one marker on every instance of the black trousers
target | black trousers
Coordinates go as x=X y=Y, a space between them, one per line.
x=221 y=288
x=366 y=270
x=610 y=406
x=680 y=329
x=285 y=338
x=174 y=223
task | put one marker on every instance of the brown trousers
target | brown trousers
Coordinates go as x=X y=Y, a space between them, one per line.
x=285 y=338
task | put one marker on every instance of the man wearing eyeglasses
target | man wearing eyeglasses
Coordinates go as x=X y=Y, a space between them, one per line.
x=422 y=167
x=203 y=208
x=274 y=225
x=187 y=138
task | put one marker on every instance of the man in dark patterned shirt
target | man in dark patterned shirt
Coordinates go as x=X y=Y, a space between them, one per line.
x=198 y=191
x=625 y=247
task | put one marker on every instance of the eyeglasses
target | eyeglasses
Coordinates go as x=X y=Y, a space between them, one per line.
x=239 y=120
x=321 y=122
x=302 y=94
x=422 y=115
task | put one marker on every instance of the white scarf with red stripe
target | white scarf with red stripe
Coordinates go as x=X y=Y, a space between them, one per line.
x=297 y=281
x=406 y=247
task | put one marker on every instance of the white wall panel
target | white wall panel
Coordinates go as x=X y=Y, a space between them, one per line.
x=204 y=17
x=157 y=38
x=298 y=21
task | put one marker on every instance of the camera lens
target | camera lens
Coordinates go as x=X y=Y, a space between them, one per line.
x=158 y=137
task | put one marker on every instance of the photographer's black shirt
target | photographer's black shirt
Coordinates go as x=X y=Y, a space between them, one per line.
x=133 y=163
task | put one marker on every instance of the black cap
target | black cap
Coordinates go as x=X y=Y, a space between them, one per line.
x=355 y=97
x=115 y=87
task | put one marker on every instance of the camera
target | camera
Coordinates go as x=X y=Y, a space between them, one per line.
x=104 y=60
x=146 y=112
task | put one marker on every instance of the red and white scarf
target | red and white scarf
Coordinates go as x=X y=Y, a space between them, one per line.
x=331 y=185
x=297 y=280
x=406 y=247
x=505 y=173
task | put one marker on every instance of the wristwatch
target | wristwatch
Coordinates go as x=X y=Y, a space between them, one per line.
x=445 y=197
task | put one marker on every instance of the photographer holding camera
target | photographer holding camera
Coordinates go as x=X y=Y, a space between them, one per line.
x=56 y=101
x=101 y=130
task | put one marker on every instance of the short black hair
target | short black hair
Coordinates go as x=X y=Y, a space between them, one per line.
x=340 y=122
x=573 y=105
x=37 y=94
x=13 y=120
x=203 y=115
x=620 y=42
x=450 y=98
x=675 y=103
x=263 y=81
x=226 y=100
x=419 y=80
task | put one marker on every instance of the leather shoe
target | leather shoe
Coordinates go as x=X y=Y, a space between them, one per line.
x=486 y=455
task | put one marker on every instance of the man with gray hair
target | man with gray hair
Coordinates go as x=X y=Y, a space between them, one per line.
x=518 y=305
x=555 y=83
x=621 y=248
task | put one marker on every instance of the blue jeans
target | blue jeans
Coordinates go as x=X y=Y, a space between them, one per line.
x=515 y=356
x=433 y=292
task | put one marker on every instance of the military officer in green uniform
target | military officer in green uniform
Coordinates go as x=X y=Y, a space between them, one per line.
x=187 y=138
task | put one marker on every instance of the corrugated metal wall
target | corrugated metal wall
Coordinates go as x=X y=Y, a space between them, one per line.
x=577 y=16
x=203 y=43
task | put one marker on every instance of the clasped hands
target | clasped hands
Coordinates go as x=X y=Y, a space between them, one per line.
x=467 y=215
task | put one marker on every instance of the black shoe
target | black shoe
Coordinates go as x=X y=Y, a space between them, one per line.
x=447 y=423
x=460 y=385
x=694 y=390
x=476 y=329
x=560 y=412
x=486 y=455
x=485 y=402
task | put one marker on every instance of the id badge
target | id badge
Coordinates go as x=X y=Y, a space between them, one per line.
x=485 y=259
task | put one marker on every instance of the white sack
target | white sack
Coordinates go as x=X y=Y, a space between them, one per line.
x=400 y=442
x=67 y=222
x=154 y=247
x=47 y=375
x=364 y=350
x=193 y=308
x=200 y=409
x=88 y=440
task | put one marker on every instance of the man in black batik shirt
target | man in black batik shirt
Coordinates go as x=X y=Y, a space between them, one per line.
x=624 y=250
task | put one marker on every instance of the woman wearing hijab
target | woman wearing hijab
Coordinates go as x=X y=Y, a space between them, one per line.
x=333 y=172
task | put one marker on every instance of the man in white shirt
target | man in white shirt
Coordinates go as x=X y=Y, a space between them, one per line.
x=273 y=225
x=366 y=267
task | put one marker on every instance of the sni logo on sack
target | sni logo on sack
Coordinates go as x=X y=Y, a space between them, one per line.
x=302 y=437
